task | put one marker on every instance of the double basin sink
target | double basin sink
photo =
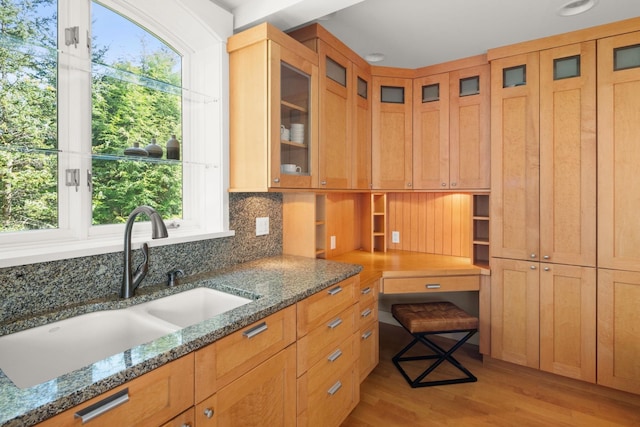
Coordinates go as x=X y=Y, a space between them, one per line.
x=40 y=354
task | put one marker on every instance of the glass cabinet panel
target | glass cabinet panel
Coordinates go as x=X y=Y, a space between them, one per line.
x=295 y=121
x=564 y=68
x=336 y=72
x=626 y=57
x=514 y=76
x=470 y=86
x=392 y=94
x=431 y=93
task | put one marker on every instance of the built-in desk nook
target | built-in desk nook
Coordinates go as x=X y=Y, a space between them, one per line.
x=403 y=275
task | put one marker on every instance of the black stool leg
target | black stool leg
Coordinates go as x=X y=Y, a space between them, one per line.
x=441 y=355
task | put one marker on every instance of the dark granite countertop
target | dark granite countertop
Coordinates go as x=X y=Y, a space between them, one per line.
x=274 y=283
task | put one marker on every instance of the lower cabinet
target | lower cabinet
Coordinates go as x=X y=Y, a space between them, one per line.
x=299 y=366
x=152 y=399
x=543 y=316
x=619 y=329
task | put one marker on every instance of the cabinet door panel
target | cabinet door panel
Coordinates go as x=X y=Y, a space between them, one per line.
x=568 y=321
x=515 y=316
x=568 y=158
x=619 y=329
x=431 y=134
x=469 y=136
x=515 y=160
x=391 y=140
x=618 y=158
x=361 y=163
x=335 y=119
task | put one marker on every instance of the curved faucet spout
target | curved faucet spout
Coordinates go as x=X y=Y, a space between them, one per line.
x=131 y=280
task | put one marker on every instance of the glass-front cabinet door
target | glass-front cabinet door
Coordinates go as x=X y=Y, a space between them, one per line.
x=293 y=121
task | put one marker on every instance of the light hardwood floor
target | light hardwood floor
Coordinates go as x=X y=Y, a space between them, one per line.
x=505 y=395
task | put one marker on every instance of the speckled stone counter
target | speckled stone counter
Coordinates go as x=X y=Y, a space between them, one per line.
x=274 y=283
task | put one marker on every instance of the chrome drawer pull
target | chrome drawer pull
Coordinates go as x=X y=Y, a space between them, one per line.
x=105 y=405
x=433 y=286
x=334 y=388
x=367 y=334
x=335 y=323
x=334 y=356
x=258 y=329
x=366 y=312
x=366 y=290
x=335 y=290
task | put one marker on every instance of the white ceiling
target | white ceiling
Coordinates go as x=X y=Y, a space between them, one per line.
x=417 y=33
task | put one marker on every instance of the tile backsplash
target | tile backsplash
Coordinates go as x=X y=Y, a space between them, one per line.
x=37 y=288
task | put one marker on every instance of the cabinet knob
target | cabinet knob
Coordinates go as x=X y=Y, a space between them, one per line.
x=323 y=182
x=547 y=269
x=453 y=184
x=186 y=425
x=208 y=412
x=276 y=180
x=444 y=184
x=532 y=256
x=408 y=184
x=546 y=257
x=533 y=267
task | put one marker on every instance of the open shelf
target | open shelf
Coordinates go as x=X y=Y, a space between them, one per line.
x=480 y=227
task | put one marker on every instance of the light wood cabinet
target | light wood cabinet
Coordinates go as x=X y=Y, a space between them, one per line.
x=186 y=419
x=273 y=82
x=304 y=224
x=451 y=140
x=328 y=384
x=374 y=223
x=369 y=355
x=515 y=311
x=345 y=111
x=391 y=139
x=618 y=154
x=149 y=400
x=619 y=329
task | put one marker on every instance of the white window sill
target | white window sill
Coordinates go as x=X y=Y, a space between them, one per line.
x=16 y=255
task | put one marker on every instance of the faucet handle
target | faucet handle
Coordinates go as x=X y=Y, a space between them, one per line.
x=172 y=276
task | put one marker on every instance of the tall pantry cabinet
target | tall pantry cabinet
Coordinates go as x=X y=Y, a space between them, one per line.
x=618 y=207
x=543 y=287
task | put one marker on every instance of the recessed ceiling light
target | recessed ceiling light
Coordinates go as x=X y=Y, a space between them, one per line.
x=576 y=7
x=374 y=57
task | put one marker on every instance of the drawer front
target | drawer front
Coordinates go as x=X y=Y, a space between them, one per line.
x=250 y=346
x=151 y=399
x=313 y=346
x=333 y=362
x=367 y=312
x=431 y=284
x=369 y=292
x=369 y=349
x=332 y=401
x=323 y=306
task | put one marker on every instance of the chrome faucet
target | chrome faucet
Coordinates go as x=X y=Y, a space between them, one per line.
x=130 y=279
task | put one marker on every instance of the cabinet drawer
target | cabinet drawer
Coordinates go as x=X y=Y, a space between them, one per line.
x=369 y=350
x=225 y=360
x=431 y=284
x=367 y=311
x=338 y=359
x=331 y=402
x=323 y=306
x=313 y=346
x=153 y=399
x=369 y=291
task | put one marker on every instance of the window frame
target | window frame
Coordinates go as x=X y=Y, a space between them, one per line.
x=198 y=30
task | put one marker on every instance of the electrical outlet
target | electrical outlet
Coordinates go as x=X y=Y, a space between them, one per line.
x=333 y=242
x=262 y=226
x=395 y=237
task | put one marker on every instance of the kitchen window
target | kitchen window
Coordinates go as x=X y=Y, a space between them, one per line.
x=92 y=95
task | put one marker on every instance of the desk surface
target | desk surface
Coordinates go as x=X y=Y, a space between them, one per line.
x=410 y=264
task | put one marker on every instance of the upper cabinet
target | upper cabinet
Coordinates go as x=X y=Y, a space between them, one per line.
x=391 y=140
x=618 y=152
x=451 y=139
x=344 y=155
x=273 y=123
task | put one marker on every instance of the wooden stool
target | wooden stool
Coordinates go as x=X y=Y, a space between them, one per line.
x=430 y=318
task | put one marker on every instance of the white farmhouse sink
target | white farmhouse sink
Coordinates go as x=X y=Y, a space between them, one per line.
x=40 y=354
x=191 y=307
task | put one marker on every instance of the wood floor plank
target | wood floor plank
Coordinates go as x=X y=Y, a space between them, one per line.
x=505 y=395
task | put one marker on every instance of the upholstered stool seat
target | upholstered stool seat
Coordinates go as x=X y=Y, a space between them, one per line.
x=429 y=318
